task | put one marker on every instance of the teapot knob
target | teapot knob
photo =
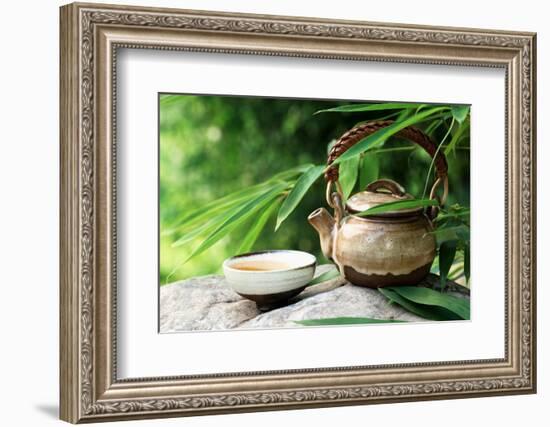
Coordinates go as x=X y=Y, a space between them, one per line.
x=386 y=184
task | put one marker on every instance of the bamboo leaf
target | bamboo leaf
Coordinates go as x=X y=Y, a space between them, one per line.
x=463 y=234
x=236 y=217
x=403 y=114
x=203 y=228
x=445 y=115
x=290 y=173
x=424 y=311
x=329 y=275
x=168 y=99
x=336 y=321
x=447 y=251
x=430 y=297
x=433 y=126
x=384 y=117
x=369 y=169
x=383 y=134
x=460 y=112
x=348 y=175
x=400 y=205
x=357 y=108
x=297 y=193
x=198 y=215
x=389 y=150
x=456 y=138
x=256 y=229
x=449 y=215
x=446 y=234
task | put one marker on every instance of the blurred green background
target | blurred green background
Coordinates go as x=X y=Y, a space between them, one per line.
x=211 y=146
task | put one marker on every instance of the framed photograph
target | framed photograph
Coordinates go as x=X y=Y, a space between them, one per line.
x=266 y=212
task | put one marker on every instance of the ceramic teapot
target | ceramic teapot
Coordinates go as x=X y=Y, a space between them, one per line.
x=391 y=248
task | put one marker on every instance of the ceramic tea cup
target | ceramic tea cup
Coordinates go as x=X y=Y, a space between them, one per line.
x=270 y=278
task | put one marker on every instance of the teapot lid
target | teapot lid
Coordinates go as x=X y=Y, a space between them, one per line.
x=380 y=192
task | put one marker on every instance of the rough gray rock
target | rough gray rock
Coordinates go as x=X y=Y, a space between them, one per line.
x=202 y=303
x=208 y=303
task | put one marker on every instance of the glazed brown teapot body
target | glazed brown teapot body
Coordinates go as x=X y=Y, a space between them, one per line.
x=391 y=248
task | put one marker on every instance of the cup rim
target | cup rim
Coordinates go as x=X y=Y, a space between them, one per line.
x=269 y=251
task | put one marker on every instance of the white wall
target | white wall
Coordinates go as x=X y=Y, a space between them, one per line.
x=29 y=170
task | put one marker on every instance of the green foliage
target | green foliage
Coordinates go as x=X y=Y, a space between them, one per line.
x=213 y=153
x=349 y=171
x=234 y=217
x=221 y=183
x=447 y=252
x=460 y=112
x=426 y=308
x=369 y=168
x=453 y=238
x=381 y=136
x=397 y=206
x=430 y=297
x=338 y=321
x=254 y=232
x=422 y=310
x=298 y=192
x=360 y=108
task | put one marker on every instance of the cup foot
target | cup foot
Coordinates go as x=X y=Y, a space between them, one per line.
x=269 y=302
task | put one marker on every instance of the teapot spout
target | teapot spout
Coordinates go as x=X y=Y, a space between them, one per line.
x=324 y=223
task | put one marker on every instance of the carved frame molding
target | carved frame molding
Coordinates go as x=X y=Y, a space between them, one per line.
x=90 y=37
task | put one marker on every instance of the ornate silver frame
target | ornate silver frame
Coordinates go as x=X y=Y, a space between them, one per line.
x=90 y=36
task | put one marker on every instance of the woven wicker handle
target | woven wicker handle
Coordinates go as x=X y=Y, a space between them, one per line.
x=413 y=134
